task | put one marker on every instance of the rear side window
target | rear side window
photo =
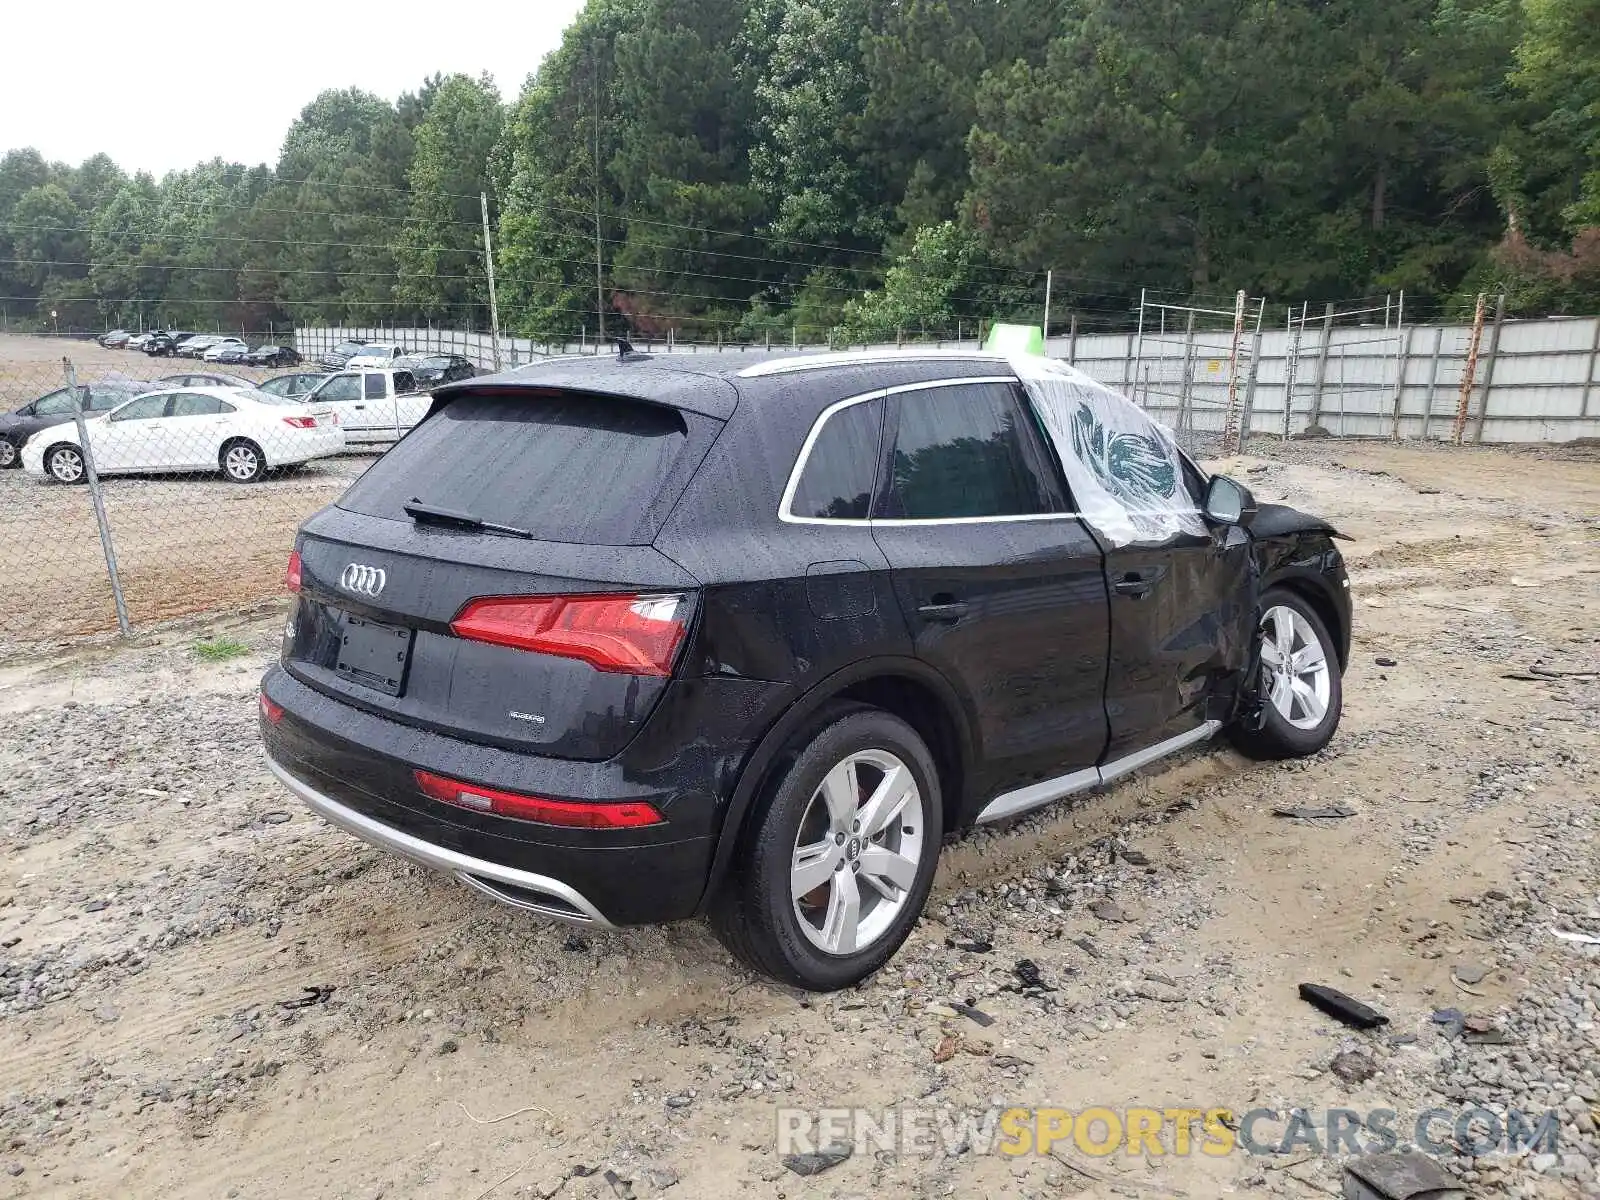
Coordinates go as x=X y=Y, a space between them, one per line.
x=838 y=474
x=193 y=404
x=961 y=451
x=565 y=467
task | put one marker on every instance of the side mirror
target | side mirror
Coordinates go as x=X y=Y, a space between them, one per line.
x=25 y=411
x=1229 y=502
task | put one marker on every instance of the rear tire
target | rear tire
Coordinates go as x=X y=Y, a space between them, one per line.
x=1299 y=677
x=834 y=868
x=65 y=464
x=242 y=461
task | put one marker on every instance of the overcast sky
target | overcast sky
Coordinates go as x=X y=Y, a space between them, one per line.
x=158 y=90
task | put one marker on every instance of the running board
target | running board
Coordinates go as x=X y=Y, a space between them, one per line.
x=1037 y=795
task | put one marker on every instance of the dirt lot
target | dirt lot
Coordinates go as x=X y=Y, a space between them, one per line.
x=161 y=899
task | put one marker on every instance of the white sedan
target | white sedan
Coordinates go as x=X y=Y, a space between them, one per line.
x=239 y=432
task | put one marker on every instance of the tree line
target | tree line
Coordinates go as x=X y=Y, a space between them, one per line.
x=872 y=168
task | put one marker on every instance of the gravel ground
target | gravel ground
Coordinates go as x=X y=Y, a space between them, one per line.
x=205 y=991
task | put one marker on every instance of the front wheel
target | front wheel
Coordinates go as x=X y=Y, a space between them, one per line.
x=8 y=454
x=837 y=866
x=65 y=464
x=1301 y=696
x=243 y=462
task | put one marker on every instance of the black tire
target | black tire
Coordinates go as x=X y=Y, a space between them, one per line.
x=59 y=460
x=1280 y=735
x=755 y=915
x=10 y=456
x=242 y=461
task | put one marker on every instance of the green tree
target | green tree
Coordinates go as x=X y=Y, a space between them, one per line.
x=439 y=251
x=552 y=173
x=683 y=158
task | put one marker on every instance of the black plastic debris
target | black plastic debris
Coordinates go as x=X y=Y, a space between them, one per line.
x=1341 y=1007
x=1027 y=973
x=976 y=1015
x=818 y=1161
x=1398 y=1177
x=969 y=945
x=1328 y=812
x=317 y=994
x=1386 y=662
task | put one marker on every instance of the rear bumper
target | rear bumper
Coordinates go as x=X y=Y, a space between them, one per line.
x=356 y=769
x=520 y=889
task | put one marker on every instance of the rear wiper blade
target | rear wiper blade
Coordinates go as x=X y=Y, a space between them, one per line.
x=433 y=514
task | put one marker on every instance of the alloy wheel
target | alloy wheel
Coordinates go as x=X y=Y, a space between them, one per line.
x=857 y=852
x=8 y=452
x=242 y=463
x=1294 y=668
x=66 y=465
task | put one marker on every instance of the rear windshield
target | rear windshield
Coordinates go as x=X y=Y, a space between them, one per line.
x=566 y=468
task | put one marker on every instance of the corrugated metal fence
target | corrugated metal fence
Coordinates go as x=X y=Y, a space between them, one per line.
x=1536 y=381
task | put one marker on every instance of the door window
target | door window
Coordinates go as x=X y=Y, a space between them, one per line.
x=1125 y=472
x=53 y=405
x=404 y=383
x=377 y=387
x=962 y=452
x=142 y=409
x=837 y=476
x=341 y=388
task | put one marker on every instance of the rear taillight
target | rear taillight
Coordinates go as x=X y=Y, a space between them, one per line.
x=291 y=578
x=301 y=422
x=272 y=712
x=636 y=635
x=574 y=814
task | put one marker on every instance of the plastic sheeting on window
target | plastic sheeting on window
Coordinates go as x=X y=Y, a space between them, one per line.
x=1124 y=469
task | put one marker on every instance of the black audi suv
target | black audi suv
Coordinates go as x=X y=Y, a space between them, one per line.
x=628 y=640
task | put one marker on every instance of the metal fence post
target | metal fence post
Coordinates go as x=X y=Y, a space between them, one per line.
x=1130 y=367
x=106 y=543
x=1402 y=359
x=1291 y=365
x=1488 y=370
x=1594 y=360
x=1186 y=391
x=1072 y=342
x=1433 y=380
x=1248 y=416
x=1322 y=366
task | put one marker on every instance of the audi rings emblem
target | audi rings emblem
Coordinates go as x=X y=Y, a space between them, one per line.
x=362 y=579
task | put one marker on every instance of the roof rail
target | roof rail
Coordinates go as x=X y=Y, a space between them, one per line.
x=847 y=358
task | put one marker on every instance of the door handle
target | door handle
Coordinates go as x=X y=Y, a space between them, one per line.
x=1132 y=585
x=943 y=610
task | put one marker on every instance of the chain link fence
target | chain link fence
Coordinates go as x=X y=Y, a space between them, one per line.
x=136 y=489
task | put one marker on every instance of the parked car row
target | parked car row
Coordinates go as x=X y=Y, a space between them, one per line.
x=212 y=347
x=369 y=407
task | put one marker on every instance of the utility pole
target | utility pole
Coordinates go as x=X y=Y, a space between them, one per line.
x=488 y=263
x=1048 y=279
x=599 y=261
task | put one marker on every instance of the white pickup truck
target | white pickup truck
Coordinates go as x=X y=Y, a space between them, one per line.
x=374 y=407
